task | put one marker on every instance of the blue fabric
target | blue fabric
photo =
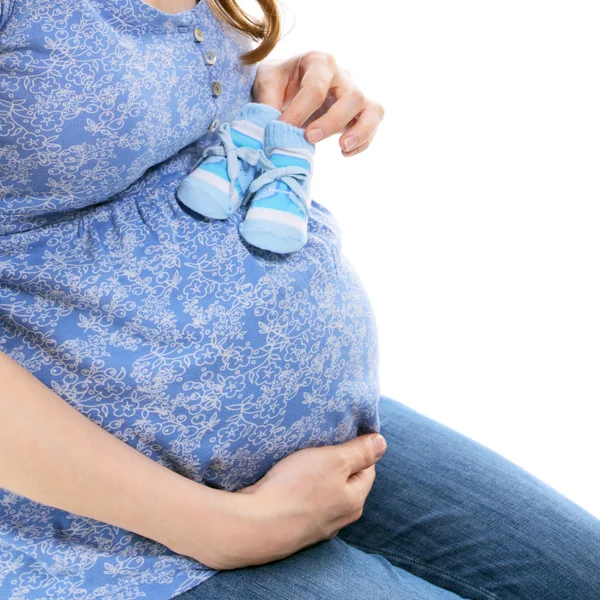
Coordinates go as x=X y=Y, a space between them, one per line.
x=280 y=134
x=291 y=193
x=241 y=140
x=284 y=160
x=213 y=358
x=236 y=159
x=446 y=518
x=279 y=199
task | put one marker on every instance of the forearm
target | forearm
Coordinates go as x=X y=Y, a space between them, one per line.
x=53 y=454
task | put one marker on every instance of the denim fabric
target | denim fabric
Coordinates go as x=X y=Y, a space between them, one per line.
x=446 y=518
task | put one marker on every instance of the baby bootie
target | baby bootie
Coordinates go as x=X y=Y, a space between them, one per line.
x=279 y=199
x=219 y=180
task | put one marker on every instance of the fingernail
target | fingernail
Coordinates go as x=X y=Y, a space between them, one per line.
x=350 y=142
x=315 y=135
x=380 y=444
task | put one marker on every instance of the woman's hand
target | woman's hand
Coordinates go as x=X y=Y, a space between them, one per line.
x=314 y=92
x=306 y=497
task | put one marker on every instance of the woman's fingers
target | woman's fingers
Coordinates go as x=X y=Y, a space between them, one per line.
x=363 y=130
x=314 y=88
x=359 y=485
x=270 y=83
x=363 y=481
x=351 y=103
x=322 y=98
x=360 y=148
x=360 y=453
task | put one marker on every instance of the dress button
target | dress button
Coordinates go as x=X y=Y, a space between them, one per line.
x=210 y=57
x=198 y=34
x=213 y=125
x=216 y=88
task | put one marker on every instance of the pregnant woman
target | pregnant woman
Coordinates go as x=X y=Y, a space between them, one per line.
x=184 y=415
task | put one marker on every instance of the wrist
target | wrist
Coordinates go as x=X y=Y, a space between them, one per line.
x=207 y=524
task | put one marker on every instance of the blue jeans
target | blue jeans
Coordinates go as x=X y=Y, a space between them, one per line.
x=446 y=518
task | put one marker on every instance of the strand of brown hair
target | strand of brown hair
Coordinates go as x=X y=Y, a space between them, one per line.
x=268 y=30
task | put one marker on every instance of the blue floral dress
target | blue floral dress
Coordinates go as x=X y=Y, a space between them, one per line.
x=211 y=357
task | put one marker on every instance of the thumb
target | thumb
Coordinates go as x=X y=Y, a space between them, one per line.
x=362 y=451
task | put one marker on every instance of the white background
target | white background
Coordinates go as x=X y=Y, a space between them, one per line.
x=473 y=219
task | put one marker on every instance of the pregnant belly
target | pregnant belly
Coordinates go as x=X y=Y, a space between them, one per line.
x=211 y=357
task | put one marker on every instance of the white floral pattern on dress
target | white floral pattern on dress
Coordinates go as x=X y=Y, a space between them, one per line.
x=166 y=329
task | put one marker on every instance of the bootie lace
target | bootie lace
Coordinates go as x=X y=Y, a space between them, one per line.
x=232 y=153
x=293 y=175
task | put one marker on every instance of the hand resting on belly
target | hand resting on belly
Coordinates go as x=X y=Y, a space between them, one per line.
x=52 y=454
